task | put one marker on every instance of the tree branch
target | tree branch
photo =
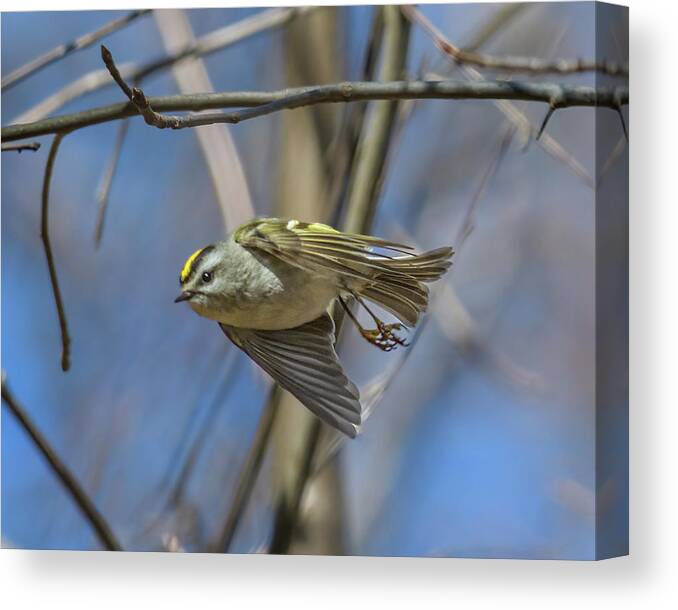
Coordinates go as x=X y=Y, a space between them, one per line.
x=211 y=42
x=21 y=147
x=504 y=14
x=495 y=161
x=529 y=65
x=82 y=500
x=260 y=103
x=224 y=37
x=65 y=49
x=44 y=234
x=104 y=190
x=214 y=41
x=92 y=81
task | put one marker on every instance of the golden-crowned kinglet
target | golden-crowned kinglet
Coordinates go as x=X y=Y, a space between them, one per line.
x=269 y=286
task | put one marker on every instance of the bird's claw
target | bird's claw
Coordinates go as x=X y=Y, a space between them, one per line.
x=384 y=336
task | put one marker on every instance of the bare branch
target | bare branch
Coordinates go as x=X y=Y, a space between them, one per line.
x=260 y=103
x=504 y=14
x=65 y=49
x=223 y=37
x=75 y=490
x=92 y=81
x=44 y=233
x=115 y=73
x=614 y=155
x=558 y=97
x=209 y=43
x=522 y=123
x=530 y=65
x=103 y=192
x=467 y=224
x=21 y=147
x=548 y=143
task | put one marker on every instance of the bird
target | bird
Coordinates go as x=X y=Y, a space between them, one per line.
x=270 y=284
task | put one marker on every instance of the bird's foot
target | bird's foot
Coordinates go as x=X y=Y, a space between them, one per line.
x=384 y=336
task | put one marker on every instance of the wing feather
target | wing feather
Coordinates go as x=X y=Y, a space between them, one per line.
x=303 y=361
x=320 y=247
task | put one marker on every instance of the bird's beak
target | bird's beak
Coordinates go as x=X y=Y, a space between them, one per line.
x=186 y=295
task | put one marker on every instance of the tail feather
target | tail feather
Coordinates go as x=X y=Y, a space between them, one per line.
x=397 y=304
x=403 y=292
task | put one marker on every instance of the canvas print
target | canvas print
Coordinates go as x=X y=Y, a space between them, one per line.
x=345 y=280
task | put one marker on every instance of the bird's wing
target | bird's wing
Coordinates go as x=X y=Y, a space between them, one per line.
x=303 y=361
x=319 y=247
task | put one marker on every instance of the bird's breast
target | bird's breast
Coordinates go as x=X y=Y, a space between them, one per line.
x=272 y=295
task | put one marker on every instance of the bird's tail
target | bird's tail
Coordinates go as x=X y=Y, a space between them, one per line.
x=401 y=289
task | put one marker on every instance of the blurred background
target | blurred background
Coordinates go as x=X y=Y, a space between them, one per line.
x=481 y=442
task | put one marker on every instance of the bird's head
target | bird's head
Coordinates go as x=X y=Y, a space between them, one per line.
x=202 y=279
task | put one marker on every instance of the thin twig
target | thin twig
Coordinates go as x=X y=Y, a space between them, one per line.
x=200 y=423
x=504 y=14
x=529 y=65
x=62 y=50
x=223 y=37
x=498 y=20
x=80 y=497
x=370 y=396
x=467 y=224
x=211 y=42
x=548 y=143
x=92 y=81
x=44 y=233
x=21 y=147
x=461 y=328
x=104 y=190
x=107 y=58
x=619 y=148
x=199 y=441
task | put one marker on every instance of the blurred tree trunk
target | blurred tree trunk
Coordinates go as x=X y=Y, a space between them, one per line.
x=309 y=518
x=313 y=56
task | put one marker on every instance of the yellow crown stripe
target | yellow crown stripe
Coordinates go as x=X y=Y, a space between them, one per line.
x=186 y=270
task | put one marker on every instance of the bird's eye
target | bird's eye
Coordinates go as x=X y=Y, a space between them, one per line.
x=207 y=277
